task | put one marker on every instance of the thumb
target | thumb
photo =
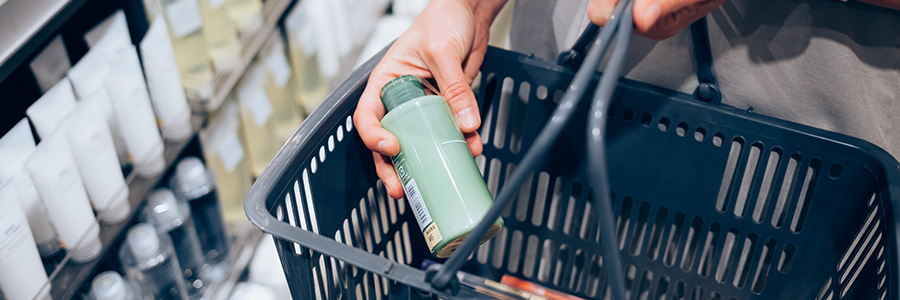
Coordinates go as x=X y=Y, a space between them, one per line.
x=599 y=11
x=455 y=88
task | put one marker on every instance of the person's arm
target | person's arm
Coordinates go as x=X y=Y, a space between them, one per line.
x=657 y=19
x=447 y=42
x=892 y=4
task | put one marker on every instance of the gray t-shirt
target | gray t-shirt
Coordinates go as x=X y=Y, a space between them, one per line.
x=822 y=63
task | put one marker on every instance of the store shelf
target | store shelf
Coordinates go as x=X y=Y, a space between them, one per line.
x=252 y=43
x=68 y=277
x=26 y=25
x=246 y=241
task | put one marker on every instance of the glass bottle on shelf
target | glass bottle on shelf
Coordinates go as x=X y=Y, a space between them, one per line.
x=246 y=15
x=221 y=35
x=223 y=149
x=185 y=22
x=312 y=87
x=277 y=84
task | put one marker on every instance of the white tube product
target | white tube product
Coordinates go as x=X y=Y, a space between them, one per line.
x=87 y=77
x=92 y=146
x=51 y=108
x=23 y=276
x=131 y=102
x=164 y=82
x=56 y=176
x=16 y=147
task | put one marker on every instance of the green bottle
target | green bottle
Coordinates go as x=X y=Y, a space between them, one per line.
x=442 y=183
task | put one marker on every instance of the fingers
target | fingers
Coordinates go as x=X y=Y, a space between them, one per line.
x=455 y=88
x=661 y=19
x=474 y=142
x=385 y=171
x=599 y=11
x=367 y=120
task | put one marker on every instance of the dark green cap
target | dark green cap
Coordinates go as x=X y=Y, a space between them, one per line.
x=401 y=89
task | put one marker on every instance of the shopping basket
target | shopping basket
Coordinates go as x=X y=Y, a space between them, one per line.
x=710 y=201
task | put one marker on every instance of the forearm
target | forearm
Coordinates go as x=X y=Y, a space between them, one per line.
x=892 y=4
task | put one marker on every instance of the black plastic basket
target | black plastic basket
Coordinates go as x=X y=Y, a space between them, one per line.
x=712 y=202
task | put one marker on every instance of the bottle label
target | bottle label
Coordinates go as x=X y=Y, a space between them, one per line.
x=278 y=66
x=215 y=4
x=231 y=151
x=417 y=204
x=429 y=228
x=259 y=106
x=184 y=17
x=14 y=233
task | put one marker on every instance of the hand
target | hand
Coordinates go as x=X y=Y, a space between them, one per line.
x=656 y=19
x=447 y=42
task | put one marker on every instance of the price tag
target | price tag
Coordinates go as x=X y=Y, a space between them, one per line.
x=184 y=17
x=230 y=150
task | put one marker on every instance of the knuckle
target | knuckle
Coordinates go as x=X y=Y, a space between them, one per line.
x=457 y=93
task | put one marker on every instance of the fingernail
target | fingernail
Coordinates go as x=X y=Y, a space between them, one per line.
x=382 y=145
x=467 y=118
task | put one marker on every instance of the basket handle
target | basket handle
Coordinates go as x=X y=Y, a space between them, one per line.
x=443 y=277
x=573 y=58
x=708 y=87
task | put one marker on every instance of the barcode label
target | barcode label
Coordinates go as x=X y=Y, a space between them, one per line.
x=417 y=204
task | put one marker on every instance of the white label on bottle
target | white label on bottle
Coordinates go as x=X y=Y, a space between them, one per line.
x=184 y=17
x=278 y=66
x=14 y=233
x=417 y=204
x=231 y=151
x=260 y=106
x=215 y=4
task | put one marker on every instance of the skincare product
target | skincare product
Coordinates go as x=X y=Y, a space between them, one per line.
x=148 y=260
x=56 y=177
x=131 y=104
x=164 y=83
x=16 y=146
x=193 y=183
x=92 y=146
x=51 y=65
x=51 y=108
x=23 y=276
x=110 y=285
x=442 y=183
x=173 y=218
x=185 y=23
x=227 y=160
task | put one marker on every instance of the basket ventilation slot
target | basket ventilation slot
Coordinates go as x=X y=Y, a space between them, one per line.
x=867 y=243
x=768 y=185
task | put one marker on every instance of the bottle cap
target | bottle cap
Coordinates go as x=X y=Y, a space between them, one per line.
x=143 y=241
x=401 y=89
x=191 y=178
x=89 y=249
x=151 y=165
x=164 y=209
x=109 y=285
x=118 y=211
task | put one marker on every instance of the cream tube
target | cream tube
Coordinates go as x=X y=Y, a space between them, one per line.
x=51 y=108
x=56 y=176
x=23 y=276
x=87 y=77
x=16 y=147
x=95 y=156
x=164 y=82
x=131 y=102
